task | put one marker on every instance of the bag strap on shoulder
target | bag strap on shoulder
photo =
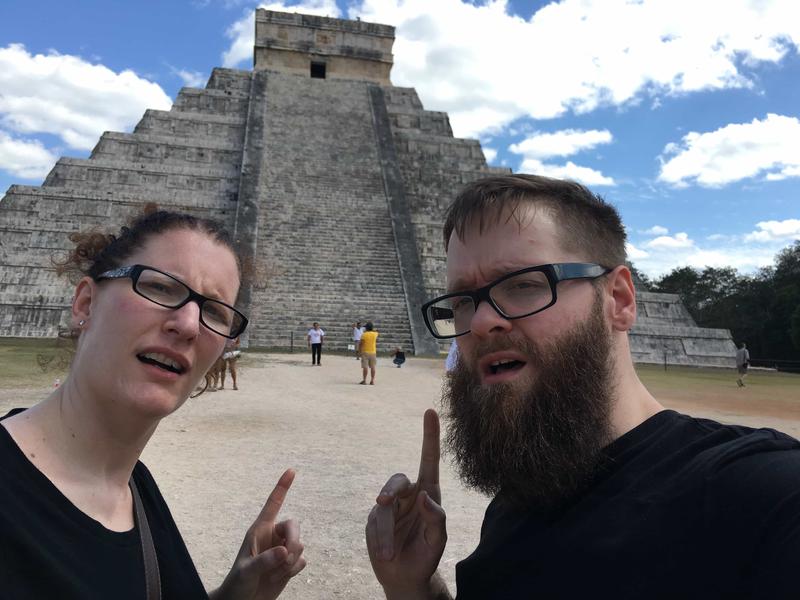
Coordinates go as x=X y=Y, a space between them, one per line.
x=151 y=573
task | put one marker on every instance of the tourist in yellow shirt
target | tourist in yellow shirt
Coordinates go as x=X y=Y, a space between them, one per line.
x=368 y=348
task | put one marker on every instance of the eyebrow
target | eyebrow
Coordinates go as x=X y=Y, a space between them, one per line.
x=495 y=273
x=216 y=294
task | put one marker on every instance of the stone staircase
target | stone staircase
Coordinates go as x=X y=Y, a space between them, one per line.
x=324 y=226
x=434 y=166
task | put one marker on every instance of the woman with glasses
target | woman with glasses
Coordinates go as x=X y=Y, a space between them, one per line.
x=82 y=517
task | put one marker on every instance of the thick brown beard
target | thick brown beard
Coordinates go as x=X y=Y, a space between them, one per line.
x=538 y=446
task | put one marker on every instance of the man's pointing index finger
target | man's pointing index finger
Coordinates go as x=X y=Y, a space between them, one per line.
x=428 y=478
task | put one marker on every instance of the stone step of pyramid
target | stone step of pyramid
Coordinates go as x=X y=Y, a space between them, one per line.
x=230 y=79
x=104 y=174
x=146 y=147
x=176 y=124
x=59 y=202
x=215 y=102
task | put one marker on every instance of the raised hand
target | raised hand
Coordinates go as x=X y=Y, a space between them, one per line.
x=406 y=531
x=270 y=555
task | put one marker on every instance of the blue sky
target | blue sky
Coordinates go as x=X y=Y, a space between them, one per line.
x=684 y=114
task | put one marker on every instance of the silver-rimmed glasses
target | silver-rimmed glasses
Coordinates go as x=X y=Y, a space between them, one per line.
x=516 y=295
x=165 y=290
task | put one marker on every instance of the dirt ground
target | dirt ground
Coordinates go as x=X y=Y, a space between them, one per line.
x=218 y=457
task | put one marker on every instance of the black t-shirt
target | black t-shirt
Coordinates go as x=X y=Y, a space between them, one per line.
x=50 y=549
x=689 y=508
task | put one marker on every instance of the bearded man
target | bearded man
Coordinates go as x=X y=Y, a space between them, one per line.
x=598 y=490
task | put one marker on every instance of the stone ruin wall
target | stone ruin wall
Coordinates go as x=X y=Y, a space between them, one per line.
x=666 y=332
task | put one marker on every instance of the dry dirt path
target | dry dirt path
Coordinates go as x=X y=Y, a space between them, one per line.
x=217 y=458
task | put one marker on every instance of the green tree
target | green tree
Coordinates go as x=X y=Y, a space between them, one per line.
x=796 y=328
x=785 y=302
x=684 y=282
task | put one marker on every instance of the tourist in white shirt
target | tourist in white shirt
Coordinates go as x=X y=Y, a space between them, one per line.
x=357 y=331
x=315 y=335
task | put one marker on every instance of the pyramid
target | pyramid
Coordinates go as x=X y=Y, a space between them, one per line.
x=332 y=179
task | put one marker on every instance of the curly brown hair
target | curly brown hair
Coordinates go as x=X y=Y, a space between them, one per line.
x=96 y=252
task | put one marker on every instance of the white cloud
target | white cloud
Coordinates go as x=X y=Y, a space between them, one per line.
x=242 y=33
x=585 y=175
x=635 y=253
x=561 y=143
x=490 y=154
x=243 y=38
x=679 y=240
x=737 y=151
x=746 y=253
x=655 y=230
x=194 y=79
x=745 y=258
x=775 y=230
x=487 y=68
x=68 y=97
x=28 y=159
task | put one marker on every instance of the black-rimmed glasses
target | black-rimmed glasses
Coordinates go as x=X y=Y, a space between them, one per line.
x=165 y=290
x=516 y=295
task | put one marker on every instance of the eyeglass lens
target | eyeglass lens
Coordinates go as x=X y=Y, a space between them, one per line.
x=163 y=289
x=516 y=296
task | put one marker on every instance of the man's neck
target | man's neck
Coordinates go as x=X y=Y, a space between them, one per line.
x=633 y=403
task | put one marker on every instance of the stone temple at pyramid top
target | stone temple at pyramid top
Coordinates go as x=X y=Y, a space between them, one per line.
x=322 y=47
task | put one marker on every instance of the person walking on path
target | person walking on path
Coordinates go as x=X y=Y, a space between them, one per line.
x=358 y=330
x=742 y=362
x=229 y=359
x=368 y=348
x=315 y=335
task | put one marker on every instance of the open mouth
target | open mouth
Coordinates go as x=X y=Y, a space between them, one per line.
x=161 y=361
x=500 y=366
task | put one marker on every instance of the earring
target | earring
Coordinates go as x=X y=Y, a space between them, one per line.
x=81 y=323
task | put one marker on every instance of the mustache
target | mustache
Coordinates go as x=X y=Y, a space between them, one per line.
x=531 y=350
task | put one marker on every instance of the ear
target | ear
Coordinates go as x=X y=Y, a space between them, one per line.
x=623 y=296
x=82 y=301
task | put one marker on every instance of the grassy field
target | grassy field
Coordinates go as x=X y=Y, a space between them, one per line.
x=26 y=363
x=700 y=379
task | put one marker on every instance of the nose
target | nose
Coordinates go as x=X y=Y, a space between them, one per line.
x=486 y=320
x=185 y=321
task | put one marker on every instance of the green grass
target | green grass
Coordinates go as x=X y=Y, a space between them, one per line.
x=779 y=386
x=26 y=362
